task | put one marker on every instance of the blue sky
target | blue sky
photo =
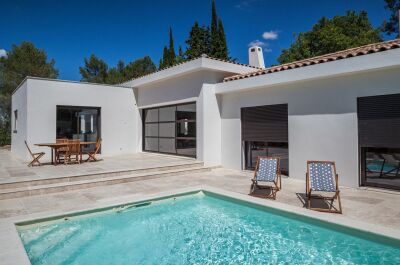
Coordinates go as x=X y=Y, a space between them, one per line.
x=71 y=30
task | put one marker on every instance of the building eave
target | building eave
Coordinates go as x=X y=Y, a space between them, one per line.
x=370 y=62
x=199 y=64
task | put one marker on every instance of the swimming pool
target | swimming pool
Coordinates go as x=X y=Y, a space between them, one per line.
x=198 y=228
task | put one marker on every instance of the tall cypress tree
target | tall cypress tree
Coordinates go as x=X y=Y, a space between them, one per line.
x=165 y=61
x=181 y=55
x=218 y=46
x=223 y=48
x=172 y=55
x=214 y=41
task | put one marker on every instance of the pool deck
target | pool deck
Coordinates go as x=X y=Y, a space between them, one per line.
x=369 y=209
x=12 y=169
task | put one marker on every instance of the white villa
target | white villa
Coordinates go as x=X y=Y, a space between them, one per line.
x=342 y=107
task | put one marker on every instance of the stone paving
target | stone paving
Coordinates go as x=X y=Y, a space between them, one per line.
x=13 y=169
x=367 y=205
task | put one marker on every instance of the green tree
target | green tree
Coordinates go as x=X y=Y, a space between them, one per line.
x=139 y=67
x=392 y=26
x=223 y=48
x=214 y=34
x=331 y=35
x=181 y=55
x=218 y=45
x=122 y=73
x=169 y=56
x=198 y=42
x=116 y=75
x=95 y=70
x=21 y=61
x=164 y=62
x=171 y=49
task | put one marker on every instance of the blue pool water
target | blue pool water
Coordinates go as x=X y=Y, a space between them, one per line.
x=196 y=229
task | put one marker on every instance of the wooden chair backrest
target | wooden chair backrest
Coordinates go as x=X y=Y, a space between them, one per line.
x=62 y=140
x=74 y=146
x=27 y=146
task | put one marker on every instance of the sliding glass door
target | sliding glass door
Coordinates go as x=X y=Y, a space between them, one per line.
x=170 y=129
x=75 y=122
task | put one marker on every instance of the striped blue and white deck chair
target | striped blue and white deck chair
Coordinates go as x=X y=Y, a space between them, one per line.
x=322 y=183
x=267 y=174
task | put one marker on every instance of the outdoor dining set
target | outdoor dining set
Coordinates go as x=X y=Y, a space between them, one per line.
x=66 y=151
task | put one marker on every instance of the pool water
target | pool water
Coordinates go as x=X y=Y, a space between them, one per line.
x=196 y=229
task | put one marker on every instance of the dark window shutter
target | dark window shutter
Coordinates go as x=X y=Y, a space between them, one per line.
x=265 y=123
x=379 y=121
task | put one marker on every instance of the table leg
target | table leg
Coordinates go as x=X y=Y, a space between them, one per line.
x=52 y=160
x=55 y=158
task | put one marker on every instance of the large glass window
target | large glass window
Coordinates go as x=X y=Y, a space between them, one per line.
x=255 y=149
x=265 y=133
x=171 y=129
x=78 y=123
x=379 y=141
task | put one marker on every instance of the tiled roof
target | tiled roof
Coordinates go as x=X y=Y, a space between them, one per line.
x=358 y=51
x=202 y=56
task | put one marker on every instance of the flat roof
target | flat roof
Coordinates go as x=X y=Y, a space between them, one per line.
x=61 y=80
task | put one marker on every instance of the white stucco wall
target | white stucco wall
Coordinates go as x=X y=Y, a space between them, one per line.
x=322 y=119
x=181 y=88
x=209 y=126
x=192 y=87
x=118 y=113
x=19 y=103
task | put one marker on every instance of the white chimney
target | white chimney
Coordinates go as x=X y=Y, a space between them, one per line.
x=256 y=57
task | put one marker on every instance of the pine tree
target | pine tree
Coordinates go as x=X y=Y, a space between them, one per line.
x=198 y=42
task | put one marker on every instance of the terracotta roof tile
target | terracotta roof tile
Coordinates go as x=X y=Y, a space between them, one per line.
x=353 y=52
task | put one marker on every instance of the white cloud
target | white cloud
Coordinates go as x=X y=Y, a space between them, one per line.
x=270 y=35
x=258 y=43
x=3 y=53
x=246 y=4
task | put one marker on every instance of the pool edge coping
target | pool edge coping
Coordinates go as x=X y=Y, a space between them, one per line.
x=17 y=254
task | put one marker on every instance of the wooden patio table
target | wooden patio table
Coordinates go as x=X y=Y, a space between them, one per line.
x=55 y=146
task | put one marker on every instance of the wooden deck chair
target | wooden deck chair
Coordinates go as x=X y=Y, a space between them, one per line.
x=92 y=154
x=35 y=156
x=60 y=152
x=73 y=152
x=322 y=179
x=267 y=174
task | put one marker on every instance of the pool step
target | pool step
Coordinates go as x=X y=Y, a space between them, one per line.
x=89 y=183
x=96 y=175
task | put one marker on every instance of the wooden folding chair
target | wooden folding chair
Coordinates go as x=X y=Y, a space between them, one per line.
x=60 y=152
x=35 y=156
x=267 y=174
x=92 y=154
x=73 y=152
x=321 y=177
